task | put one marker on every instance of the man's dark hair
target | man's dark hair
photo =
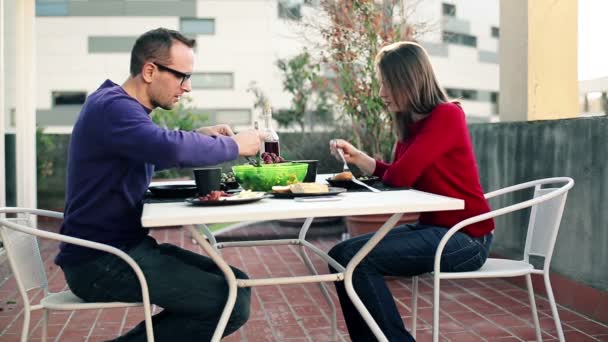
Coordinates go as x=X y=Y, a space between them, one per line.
x=155 y=45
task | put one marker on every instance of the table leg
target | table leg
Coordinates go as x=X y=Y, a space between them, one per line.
x=350 y=268
x=311 y=268
x=230 y=279
x=208 y=234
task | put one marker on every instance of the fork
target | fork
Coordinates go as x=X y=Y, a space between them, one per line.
x=253 y=161
x=345 y=168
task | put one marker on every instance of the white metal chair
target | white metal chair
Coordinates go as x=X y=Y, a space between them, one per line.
x=21 y=246
x=547 y=206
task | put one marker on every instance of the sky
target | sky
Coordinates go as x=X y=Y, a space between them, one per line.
x=592 y=32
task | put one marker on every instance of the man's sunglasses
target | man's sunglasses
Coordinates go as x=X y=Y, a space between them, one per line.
x=180 y=75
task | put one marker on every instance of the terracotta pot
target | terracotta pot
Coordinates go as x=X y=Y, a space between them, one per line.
x=363 y=224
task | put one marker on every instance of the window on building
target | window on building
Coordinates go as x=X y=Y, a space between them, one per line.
x=46 y=8
x=449 y=10
x=212 y=80
x=465 y=94
x=494 y=97
x=290 y=9
x=495 y=31
x=452 y=93
x=459 y=38
x=195 y=26
x=68 y=98
x=469 y=94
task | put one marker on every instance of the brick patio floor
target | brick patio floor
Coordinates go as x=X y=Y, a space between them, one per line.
x=471 y=310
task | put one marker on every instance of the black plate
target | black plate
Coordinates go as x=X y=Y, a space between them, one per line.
x=197 y=202
x=173 y=191
x=347 y=184
x=333 y=191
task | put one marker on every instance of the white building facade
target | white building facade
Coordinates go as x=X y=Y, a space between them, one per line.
x=81 y=43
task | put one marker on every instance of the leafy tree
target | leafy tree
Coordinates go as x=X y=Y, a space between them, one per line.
x=310 y=101
x=353 y=35
x=260 y=97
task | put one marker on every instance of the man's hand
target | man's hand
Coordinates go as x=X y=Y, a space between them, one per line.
x=249 y=141
x=216 y=130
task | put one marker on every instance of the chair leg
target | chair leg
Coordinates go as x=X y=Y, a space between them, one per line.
x=45 y=324
x=558 y=323
x=414 y=305
x=26 y=325
x=436 y=307
x=533 y=306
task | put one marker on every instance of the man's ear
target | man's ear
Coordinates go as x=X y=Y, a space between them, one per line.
x=147 y=71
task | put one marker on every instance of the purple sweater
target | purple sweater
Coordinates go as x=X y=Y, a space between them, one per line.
x=113 y=152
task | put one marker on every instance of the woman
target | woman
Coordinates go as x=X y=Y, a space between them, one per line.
x=433 y=154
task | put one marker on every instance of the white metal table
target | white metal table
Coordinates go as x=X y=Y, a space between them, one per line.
x=351 y=203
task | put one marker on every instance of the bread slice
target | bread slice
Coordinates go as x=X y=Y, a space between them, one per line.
x=281 y=188
x=308 y=188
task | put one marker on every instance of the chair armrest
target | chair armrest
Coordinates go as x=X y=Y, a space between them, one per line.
x=530 y=184
x=81 y=242
x=37 y=212
x=502 y=211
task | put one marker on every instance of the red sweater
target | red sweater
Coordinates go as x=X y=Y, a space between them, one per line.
x=438 y=158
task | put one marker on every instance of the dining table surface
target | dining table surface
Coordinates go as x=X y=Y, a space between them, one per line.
x=349 y=203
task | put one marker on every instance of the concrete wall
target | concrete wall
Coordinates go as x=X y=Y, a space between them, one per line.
x=511 y=153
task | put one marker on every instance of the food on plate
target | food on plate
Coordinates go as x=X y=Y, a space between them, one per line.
x=281 y=188
x=245 y=194
x=222 y=196
x=308 y=188
x=343 y=176
x=213 y=196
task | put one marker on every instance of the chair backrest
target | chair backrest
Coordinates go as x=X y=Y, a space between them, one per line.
x=24 y=256
x=544 y=223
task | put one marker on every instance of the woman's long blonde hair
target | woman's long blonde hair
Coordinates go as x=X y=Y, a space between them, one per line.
x=405 y=69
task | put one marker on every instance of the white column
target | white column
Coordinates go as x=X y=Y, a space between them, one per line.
x=25 y=104
x=538 y=60
x=2 y=109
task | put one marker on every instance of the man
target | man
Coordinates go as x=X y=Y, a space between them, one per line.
x=113 y=152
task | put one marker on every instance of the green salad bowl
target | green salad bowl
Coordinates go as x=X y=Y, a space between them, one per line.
x=265 y=176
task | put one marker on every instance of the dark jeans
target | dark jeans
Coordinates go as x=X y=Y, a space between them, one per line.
x=406 y=251
x=189 y=287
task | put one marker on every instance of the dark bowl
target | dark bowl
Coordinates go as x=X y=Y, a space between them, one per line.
x=370 y=180
x=229 y=185
x=173 y=191
x=311 y=173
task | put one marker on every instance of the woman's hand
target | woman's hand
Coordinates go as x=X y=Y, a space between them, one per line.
x=352 y=155
x=350 y=152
